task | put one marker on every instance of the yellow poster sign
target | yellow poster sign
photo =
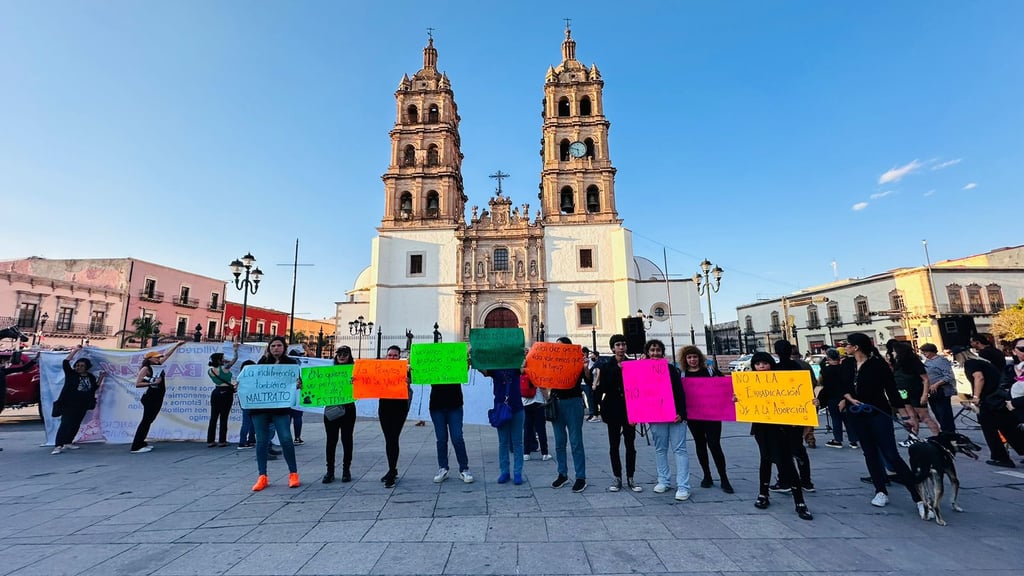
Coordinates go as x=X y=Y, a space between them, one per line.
x=779 y=397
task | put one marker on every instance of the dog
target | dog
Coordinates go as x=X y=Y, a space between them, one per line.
x=931 y=461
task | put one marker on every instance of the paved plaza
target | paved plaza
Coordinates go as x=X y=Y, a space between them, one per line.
x=188 y=509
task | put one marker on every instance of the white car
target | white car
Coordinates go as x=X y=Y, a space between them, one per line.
x=741 y=364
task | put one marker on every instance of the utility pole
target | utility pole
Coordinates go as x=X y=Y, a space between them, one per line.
x=295 y=279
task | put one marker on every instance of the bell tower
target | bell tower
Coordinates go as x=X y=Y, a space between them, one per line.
x=423 y=185
x=577 y=179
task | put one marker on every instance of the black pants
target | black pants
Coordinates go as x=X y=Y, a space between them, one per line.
x=220 y=408
x=70 y=422
x=775 y=445
x=943 y=410
x=992 y=423
x=878 y=441
x=151 y=404
x=627 y=433
x=344 y=427
x=392 y=415
x=795 y=434
x=707 y=436
x=535 y=429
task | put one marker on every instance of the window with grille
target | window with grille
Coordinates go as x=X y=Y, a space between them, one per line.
x=500 y=259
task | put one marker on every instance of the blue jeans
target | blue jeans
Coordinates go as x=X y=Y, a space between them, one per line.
x=297 y=422
x=838 y=419
x=570 y=423
x=510 y=437
x=282 y=423
x=449 y=422
x=247 y=435
x=588 y=391
x=671 y=436
x=943 y=410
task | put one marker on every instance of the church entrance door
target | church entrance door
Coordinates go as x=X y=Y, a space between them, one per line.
x=501 y=318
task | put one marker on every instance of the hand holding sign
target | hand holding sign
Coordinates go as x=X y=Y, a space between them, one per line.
x=440 y=363
x=326 y=385
x=268 y=386
x=777 y=397
x=709 y=399
x=648 y=390
x=497 y=348
x=554 y=365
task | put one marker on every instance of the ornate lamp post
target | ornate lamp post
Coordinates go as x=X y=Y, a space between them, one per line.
x=248 y=285
x=360 y=327
x=704 y=285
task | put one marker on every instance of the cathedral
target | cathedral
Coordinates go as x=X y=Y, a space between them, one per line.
x=567 y=270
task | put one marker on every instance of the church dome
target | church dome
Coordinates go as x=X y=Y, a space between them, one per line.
x=647 y=270
x=362 y=285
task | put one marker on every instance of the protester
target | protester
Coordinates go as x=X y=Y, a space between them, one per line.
x=247 y=433
x=78 y=395
x=590 y=371
x=392 y=414
x=1016 y=402
x=535 y=435
x=941 y=386
x=994 y=418
x=262 y=418
x=568 y=424
x=912 y=383
x=796 y=434
x=296 y=414
x=446 y=413
x=707 y=435
x=983 y=347
x=343 y=426
x=830 y=395
x=613 y=413
x=153 y=397
x=671 y=434
x=222 y=396
x=510 y=433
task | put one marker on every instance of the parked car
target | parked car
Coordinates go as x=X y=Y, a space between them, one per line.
x=742 y=364
x=22 y=387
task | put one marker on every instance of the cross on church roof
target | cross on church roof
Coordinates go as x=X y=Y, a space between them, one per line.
x=430 y=33
x=499 y=176
x=568 y=23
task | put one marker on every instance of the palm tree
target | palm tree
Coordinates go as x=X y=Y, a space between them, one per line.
x=144 y=328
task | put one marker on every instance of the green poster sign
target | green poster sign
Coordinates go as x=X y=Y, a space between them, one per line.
x=326 y=385
x=441 y=363
x=497 y=348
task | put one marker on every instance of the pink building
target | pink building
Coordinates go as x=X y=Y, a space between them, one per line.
x=67 y=301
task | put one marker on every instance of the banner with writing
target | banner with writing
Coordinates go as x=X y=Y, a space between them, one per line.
x=709 y=399
x=554 y=365
x=497 y=348
x=648 y=390
x=326 y=385
x=268 y=386
x=440 y=363
x=380 y=379
x=777 y=397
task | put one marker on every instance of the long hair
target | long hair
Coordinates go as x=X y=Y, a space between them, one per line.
x=906 y=359
x=862 y=341
x=686 y=351
x=216 y=359
x=652 y=342
x=763 y=358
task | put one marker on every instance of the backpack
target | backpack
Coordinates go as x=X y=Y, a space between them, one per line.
x=526 y=388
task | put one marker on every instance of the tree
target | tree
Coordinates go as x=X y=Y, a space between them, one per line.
x=1009 y=324
x=143 y=329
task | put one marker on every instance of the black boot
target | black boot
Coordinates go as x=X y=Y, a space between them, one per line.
x=346 y=476
x=329 y=477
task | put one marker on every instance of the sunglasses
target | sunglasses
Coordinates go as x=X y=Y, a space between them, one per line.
x=1020 y=348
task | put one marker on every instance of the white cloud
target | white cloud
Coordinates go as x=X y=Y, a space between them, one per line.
x=859 y=206
x=878 y=195
x=946 y=164
x=970 y=186
x=928 y=193
x=896 y=174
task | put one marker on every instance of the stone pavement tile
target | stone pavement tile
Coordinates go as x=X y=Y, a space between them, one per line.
x=635 y=528
x=183 y=520
x=142 y=514
x=23 y=489
x=72 y=559
x=343 y=516
x=344 y=531
x=482 y=558
x=421 y=509
x=111 y=528
x=301 y=511
x=344 y=558
x=108 y=507
x=251 y=508
x=139 y=560
x=622 y=556
x=460 y=512
x=242 y=523
x=553 y=558
x=763 y=525
x=225 y=534
x=694 y=554
x=275 y=558
x=509 y=529
x=600 y=500
x=832 y=554
x=465 y=529
x=911 y=553
x=25 y=520
x=576 y=529
x=413 y=558
x=823 y=526
x=462 y=499
x=763 y=555
x=60 y=526
x=398 y=530
x=153 y=536
x=214 y=502
x=684 y=526
x=508 y=504
x=361 y=502
x=278 y=532
x=19 y=555
x=208 y=559
x=885 y=524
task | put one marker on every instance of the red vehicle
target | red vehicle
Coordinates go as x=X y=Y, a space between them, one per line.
x=22 y=385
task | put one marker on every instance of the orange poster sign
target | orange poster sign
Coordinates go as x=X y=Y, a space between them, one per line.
x=554 y=365
x=380 y=379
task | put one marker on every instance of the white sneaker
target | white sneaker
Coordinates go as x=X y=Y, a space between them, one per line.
x=661 y=488
x=905 y=443
x=57 y=450
x=466 y=477
x=616 y=486
x=921 y=511
x=441 y=476
x=880 y=499
x=546 y=457
x=526 y=456
x=682 y=495
x=142 y=450
x=71 y=446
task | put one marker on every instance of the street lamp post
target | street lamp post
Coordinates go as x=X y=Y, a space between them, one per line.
x=320 y=343
x=360 y=327
x=248 y=285
x=704 y=286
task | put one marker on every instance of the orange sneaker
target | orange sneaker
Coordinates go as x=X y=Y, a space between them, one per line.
x=293 y=480
x=261 y=483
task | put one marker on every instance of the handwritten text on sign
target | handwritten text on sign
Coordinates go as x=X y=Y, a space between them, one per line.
x=709 y=399
x=268 y=386
x=326 y=385
x=778 y=397
x=648 y=390
x=440 y=363
x=497 y=348
x=380 y=379
x=554 y=365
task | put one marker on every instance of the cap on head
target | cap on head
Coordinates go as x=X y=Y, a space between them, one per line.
x=151 y=355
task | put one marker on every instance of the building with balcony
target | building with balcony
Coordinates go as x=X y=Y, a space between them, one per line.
x=942 y=304
x=260 y=323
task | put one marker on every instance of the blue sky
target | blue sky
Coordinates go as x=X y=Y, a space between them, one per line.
x=770 y=137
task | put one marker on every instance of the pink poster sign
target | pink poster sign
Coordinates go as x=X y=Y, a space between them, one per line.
x=648 y=391
x=709 y=399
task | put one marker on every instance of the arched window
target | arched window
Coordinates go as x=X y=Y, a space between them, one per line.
x=409 y=156
x=433 y=114
x=995 y=298
x=433 y=204
x=593 y=199
x=590 y=147
x=433 y=158
x=563 y=150
x=500 y=261
x=896 y=300
x=776 y=327
x=405 y=205
x=956 y=298
x=975 y=305
x=585 y=106
x=748 y=324
x=563 y=106
x=412 y=114
x=566 y=202
x=862 y=311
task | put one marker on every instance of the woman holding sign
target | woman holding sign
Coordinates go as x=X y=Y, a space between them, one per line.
x=613 y=411
x=671 y=434
x=392 y=414
x=707 y=435
x=153 y=398
x=280 y=417
x=343 y=425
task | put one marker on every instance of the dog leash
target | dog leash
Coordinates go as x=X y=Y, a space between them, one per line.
x=865 y=408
